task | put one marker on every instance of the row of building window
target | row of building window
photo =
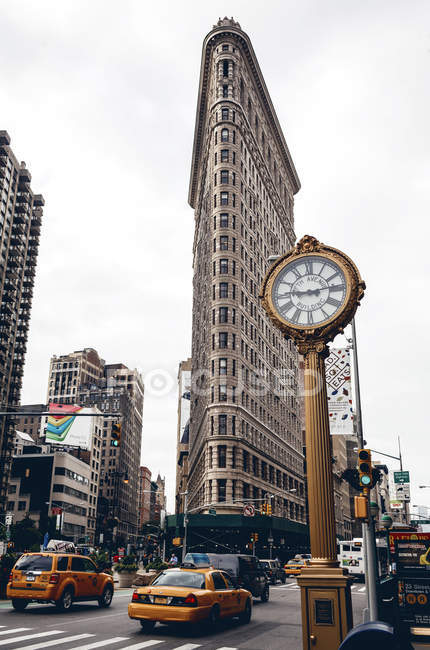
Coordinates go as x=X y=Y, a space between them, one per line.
x=224 y=178
x=225 y=136
x=224 y=265
x=223 y=244
x=223 y=220
x=224 y=156
x=223 y=291
x=223 y=316
x=224 y=199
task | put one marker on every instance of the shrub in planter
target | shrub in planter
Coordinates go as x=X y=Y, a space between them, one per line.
x=157 y=565
x=126 y=570
x=101 y=558
x=128 y=564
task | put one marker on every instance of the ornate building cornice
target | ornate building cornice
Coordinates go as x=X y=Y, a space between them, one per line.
x=228 y=28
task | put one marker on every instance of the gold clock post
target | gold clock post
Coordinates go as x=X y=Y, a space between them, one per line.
x=325 y=587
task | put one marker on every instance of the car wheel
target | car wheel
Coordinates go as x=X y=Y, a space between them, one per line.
x=65 y=602
x=147 y=626
x=213 y=616
x=245 y=616
x=106 y=597
x=19 y=604
x=265 y=595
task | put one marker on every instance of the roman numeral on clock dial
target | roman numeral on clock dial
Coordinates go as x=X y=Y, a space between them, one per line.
x=295 y=317
x=286 y=307
x=333 y=302
x=309 y=267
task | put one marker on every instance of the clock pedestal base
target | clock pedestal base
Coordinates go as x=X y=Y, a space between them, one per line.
x=326 y=607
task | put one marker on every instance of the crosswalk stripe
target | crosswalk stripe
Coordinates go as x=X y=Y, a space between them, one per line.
x=17 y=629
x=29 y=636
x=48 y=644
x=225 y=648
x=188 y=646
x=99 y=644
x=145 y=644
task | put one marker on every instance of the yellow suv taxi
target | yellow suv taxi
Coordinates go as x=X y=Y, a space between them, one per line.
x=59 y=578
x=190 y=596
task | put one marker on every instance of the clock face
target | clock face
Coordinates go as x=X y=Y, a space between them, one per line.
x=309 y=291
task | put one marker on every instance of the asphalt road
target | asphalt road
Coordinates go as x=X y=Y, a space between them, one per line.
x=275 y=625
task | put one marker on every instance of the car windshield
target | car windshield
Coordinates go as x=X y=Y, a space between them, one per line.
x=295 y=562
x=34 y=563
x=265 y=565
x=180 y=579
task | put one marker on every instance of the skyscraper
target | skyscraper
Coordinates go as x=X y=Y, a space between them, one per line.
x=245 y=429
x=20 y=220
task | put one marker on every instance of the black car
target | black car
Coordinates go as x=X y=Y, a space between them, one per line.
x=245 y=570
x=274 y=571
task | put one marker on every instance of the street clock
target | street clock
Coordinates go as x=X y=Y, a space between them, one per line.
x=312 y=292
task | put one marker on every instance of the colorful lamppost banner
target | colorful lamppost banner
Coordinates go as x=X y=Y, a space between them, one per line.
x=339 y=391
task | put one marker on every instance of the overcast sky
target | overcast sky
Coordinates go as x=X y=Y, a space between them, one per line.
x=99 y=99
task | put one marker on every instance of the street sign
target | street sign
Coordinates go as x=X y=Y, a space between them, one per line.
x=56 y=511
x=403 y=491
x=249 y=510
x=396 y=504
x=401 y=477
x=212 y=511
x=8 y=520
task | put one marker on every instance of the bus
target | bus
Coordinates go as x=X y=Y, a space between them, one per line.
x=351 y=556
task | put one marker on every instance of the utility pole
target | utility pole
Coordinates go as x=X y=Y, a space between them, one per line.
x=367 y=528
x=184 y=545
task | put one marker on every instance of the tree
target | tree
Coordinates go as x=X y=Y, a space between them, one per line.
x=24 y=534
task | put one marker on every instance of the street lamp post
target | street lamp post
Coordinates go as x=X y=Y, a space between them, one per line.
x=311 y=293
x=184 y=545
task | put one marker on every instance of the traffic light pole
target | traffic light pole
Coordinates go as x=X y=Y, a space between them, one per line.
x=369 y=544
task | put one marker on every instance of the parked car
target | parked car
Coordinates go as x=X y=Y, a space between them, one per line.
x=59 y=578
x=274 y=571
x=244 y=570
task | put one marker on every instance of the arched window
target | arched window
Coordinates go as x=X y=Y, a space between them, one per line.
x=224 y=135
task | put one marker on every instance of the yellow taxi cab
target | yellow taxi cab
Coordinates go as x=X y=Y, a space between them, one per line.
x=190 y=595
x=59 y=578
x=294 y=567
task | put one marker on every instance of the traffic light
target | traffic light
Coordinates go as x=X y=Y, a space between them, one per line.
x=269 y=509
x=365 y=468
x=116 y=434
x=255 y=537
x=263 y=509
x=361 y=507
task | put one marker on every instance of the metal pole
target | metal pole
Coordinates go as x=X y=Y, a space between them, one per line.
x=184 y=545
x=371 y=569
x=368 y=539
